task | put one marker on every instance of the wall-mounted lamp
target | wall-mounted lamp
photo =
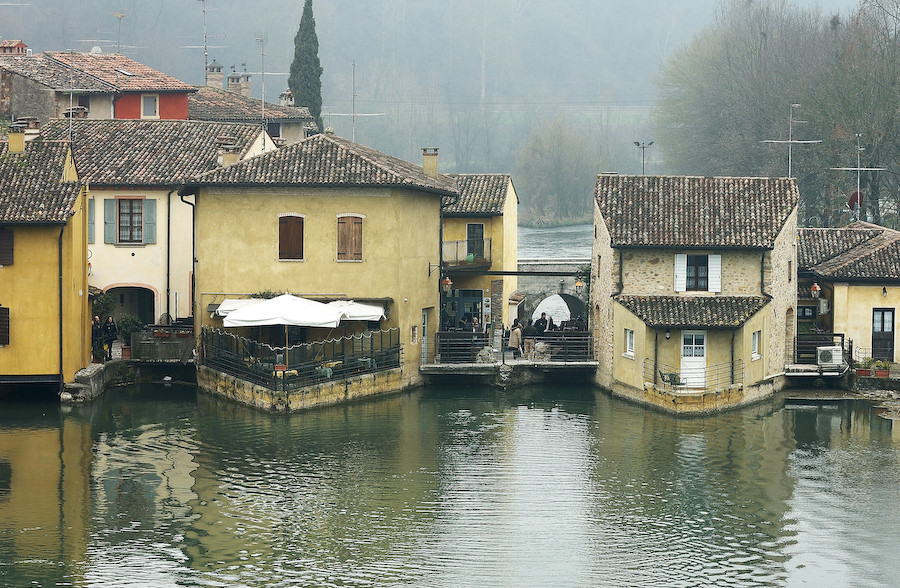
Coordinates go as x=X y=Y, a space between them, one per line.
x=446 y=284
x=884 y=291
x=668 y=334
x=815 y=290
x=562 y=285
x=579 y=287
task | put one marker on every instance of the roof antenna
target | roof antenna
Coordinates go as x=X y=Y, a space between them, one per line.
x=791 y=140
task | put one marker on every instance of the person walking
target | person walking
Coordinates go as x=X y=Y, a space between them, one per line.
x=529 y=333
x=110 y=334
x=515 y=339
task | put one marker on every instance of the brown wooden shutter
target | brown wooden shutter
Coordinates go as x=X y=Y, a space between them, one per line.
x=6 y=247
x=290 y=237
x=350 y=237
x=4 y=325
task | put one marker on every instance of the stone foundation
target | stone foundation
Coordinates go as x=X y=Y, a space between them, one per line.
x=698 y=403
x=323 y=394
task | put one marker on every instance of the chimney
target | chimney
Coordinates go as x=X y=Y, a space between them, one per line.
x=234 y=82
x=430 y=161
x=245 y=84
x=228 y=151
x=16 y=138
x=287 y=98
x=214 y=76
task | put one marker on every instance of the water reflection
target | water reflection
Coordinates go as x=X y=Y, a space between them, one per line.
x=157 y=486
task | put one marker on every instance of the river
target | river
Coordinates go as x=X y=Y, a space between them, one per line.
x=559 y=486
x=555 y=242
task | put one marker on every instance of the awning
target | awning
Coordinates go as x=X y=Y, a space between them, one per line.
x=357 y=311
x=231 y=304
x=284 y=310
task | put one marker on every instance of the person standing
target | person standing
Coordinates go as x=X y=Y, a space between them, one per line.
x=515 y=339
x=96 y=339
x=540 y=325
x=529 y=333
x=110 y=334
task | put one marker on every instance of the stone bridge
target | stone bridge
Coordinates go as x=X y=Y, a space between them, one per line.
x=538 y=287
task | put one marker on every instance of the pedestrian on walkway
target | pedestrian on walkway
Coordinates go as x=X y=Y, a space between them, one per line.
x=110 y=334
x=96 y=339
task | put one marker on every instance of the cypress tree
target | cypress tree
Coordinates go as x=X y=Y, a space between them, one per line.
x=305 y=79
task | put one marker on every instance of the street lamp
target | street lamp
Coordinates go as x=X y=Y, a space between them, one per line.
x=643 y=147
x=579 y=287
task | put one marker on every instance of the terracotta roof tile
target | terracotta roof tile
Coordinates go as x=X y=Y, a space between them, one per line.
x=327 y=160
x=479 y=195
x=53 y=74
x=147 y=152
x=683 y=312
x=120 y=72
x=213 y=104
x=30 y=188
x=695 y=212
x=859 y=252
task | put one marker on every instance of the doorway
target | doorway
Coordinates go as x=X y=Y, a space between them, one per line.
x=693 y=359
x=883 y=333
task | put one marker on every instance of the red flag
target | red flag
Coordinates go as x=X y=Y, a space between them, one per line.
x=856 y=199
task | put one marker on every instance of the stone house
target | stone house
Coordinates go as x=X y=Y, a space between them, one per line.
x=693 y=289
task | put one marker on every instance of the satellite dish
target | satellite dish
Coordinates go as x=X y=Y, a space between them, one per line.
x=96 y=50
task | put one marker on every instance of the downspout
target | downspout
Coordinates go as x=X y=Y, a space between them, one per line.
x=60 y=293
x=169 y=254
x=621 y=284
x=762 y=275
x=182 y=192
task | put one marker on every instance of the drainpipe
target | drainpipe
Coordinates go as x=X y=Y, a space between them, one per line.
x=732 y=357
x=182 y=192
x=762 y=274
x=655 y=355
x=60 y=294
x=169 y=253
x=621 y=285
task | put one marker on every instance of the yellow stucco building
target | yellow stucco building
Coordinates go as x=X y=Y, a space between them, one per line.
x=855 y=269
x=326 y=219
x=480 y=235
x=693 y=289
x=44 y=312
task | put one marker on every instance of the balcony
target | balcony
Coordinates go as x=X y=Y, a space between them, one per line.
x=466 y=254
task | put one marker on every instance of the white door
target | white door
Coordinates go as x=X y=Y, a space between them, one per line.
x=424 y=336
x=693 y=359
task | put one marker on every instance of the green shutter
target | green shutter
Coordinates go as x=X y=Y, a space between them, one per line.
x=109 y=220
x=4 y=325
x=149 y=220
x=90 y=220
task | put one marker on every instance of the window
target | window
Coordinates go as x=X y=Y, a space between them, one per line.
x=129 y=221
x=149 y=106
x=4 y=326
x=414 y=335
x=754 y=348
x=91 y=214
x=807 y=312
x=475 y=240
x=629 y=343
x=290 y=237
x=6 y=247
x=349 y=238
x=698 y=273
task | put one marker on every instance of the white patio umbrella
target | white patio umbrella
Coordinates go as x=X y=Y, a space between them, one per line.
x=358 y=311
x=285 y=310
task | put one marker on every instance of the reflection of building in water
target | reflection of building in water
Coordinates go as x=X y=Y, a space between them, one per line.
x=840 y=424
x=44 y=501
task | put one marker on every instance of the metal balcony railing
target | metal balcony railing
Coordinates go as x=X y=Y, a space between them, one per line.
x=714 y=378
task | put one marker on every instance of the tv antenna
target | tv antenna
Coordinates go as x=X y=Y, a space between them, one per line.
x=858 y=169
x=120 y=16
x=353 y=114
x=791 y=140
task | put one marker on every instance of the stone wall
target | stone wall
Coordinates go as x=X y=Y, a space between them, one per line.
x=536 y=288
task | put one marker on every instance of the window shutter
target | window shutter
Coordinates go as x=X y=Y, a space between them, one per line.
x=90 y=220
x=4 y=325
x=109 y=220
x=355 y=237
x=680 y=272
x=149 y=220
x=290 y=237
x=6 y=247
x=714 y=266
x=343 y=244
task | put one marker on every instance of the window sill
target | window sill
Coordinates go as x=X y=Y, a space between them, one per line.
x=755 y=356
x=128 y=244
x=349 y=260
x=289 y=260
x=627 y=355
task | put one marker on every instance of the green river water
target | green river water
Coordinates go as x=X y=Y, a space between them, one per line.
x=161 y=486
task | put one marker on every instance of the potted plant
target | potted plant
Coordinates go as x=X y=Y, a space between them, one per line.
x=864 y=366
x=882 y=368
x=128 y=324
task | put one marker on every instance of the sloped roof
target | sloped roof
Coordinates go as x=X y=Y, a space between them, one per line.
x=327 y=161
x=479 y=195
x=685 y=312
x=214 y=104
x=858 y=252
x=147 y=152
x=53 y=74
x=30 y=188
x=695 y=212
x=120 y=72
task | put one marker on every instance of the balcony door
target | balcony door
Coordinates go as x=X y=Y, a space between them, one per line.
x=883 y=333
x=693 y=359
x=475 y=240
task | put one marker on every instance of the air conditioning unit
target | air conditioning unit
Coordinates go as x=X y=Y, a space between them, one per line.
x=830 y=356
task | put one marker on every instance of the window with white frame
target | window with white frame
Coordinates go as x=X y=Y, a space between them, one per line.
x=698 y=273
x=629 y=343
x=149 y=106
x=754 y=345
x=129 y=220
